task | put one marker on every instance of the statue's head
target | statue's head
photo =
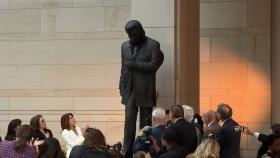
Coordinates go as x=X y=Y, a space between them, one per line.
x=135 y=32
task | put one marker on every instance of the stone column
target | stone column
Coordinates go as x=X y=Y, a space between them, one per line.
x=187 y=53
x=275 y=61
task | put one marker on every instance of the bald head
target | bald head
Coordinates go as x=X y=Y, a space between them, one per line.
x=209 y=116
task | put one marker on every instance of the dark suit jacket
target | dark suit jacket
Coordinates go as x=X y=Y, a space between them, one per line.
x=142 y=78
x=229 y=140
x=175 y=152
x=80 y=152
x=214 y=126
x=156 y=132
x=186 y=134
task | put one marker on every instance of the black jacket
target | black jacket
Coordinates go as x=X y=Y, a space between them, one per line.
x=229 y=140
x=175 y=152
x=80 y=151
x=264 y=147
x=38 y=134
x=186 y=134
x=142 y=77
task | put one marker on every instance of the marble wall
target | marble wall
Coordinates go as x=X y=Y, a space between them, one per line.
x=235 y=62
x=59 y=56
x=158 y=21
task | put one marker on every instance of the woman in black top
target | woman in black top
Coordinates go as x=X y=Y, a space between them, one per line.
x=94 y=146
x=38 y=124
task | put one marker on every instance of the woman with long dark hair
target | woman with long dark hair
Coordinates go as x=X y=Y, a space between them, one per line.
x=12 y=128
x=21 y=147
x=39 y=126
x=71 y=134
x=51 y=149
x=94 y=146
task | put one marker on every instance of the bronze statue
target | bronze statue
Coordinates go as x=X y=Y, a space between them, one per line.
x=141 y=58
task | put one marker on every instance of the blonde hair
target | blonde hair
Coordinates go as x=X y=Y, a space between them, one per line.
x=209 y=148
x=139 y=154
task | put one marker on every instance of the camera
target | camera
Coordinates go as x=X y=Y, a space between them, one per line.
x=117 y=146
x=143 y=142
x=242 y=129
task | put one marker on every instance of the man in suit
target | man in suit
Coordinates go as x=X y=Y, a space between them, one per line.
x=211 y=124
x=141 y=58
x=227 y=136
x=185 y=131
x=189 y=116
x=173 y=149
x=159 y=126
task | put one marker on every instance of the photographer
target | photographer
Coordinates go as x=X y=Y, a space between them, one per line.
x=143 y=142
x=152 y=136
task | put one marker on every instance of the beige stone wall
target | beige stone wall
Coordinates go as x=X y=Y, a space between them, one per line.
x=157 y=17
x=59 y=56
x=235 y=62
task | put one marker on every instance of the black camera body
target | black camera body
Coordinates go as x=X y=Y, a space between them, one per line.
x=143 y=142
x=117 y=146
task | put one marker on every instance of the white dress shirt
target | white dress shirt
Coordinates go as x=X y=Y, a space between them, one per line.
x=71 y=139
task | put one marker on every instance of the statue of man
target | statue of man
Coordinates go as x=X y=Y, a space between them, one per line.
x=141 y=58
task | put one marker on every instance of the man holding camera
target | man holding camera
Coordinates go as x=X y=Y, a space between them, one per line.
x=150 y=140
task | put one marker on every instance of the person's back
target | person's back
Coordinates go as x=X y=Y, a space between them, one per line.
x=85 y=152
x=51 y=149
x=186 y=134
x=94 y=146
x=7 y=150
x=231 y=145
x=173 y=149
x=175 y=152
x=185 y=131
x=228 y=138
x=157 y=132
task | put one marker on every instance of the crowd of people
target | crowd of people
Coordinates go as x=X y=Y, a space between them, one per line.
x=175 y=133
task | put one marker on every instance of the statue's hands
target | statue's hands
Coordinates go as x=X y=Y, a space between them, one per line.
x=130 y=64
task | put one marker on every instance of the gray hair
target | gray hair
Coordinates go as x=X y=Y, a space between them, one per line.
x=159 y=113
x=188 y=112
x=210 y=115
